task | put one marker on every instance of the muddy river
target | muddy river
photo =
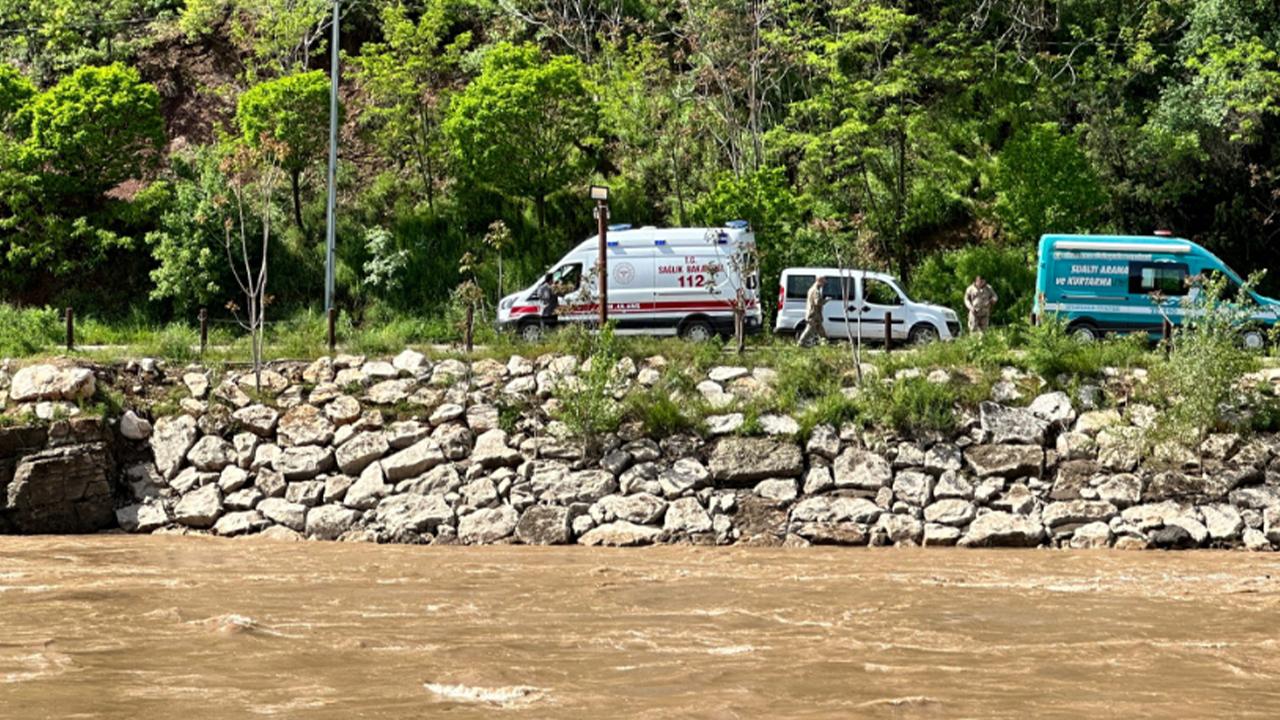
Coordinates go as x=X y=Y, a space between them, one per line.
x=171 y=627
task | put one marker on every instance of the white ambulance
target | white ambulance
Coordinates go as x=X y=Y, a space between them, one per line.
x=661 y=281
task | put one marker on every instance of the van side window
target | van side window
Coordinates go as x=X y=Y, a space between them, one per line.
x=569 y=276
x=1165 y=278
x=879 y=292
x=798 y=286
x=834 y=290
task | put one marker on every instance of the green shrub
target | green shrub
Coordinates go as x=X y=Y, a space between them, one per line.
x=833 y=409
x=175 y=342
x=911 y=406
x=658 y=413
x=28 y=331
x=943 y=277
x=588 y=407
x=1051 y=352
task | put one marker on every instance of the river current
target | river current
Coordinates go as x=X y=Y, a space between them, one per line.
x=114 y=626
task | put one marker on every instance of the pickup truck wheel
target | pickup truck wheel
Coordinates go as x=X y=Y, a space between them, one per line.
x=923 y=334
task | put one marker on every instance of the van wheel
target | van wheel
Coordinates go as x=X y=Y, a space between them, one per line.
x=1084 y=333
x=697 y=331
x=531 y=332
x=1253 y=339
x=923 y=334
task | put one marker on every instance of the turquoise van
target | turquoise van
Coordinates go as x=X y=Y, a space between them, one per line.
x=1104 y=284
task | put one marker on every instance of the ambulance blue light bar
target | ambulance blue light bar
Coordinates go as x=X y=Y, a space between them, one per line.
x=737 y=224
x=619 y=227
x=659 y=242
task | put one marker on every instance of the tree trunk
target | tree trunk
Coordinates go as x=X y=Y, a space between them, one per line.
x=468 y=327
x=540 y=206
x=295 y=183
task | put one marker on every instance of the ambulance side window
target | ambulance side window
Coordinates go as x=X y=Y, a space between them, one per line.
x=1165 y=278
x=568 y=276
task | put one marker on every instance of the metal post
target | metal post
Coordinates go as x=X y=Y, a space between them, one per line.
x=1166 y=329
x=204 y=330
x=71 y=329
x=333 y=328
x=888 y=332
x=602 y=264
x=331 y=221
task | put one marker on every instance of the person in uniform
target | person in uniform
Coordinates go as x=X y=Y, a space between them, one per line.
x=550 y=302
x=813 y=303
x=978 y=300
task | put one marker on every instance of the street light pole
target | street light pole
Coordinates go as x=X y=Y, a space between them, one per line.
x=600 y=194
x=331 y=230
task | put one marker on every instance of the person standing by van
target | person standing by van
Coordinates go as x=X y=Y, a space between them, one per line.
x=549 y=300
x=813 y=303
x=978 y=300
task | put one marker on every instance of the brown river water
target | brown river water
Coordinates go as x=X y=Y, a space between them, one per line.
x=170 y=627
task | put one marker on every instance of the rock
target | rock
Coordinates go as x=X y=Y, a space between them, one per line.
x=409 y=361
x=232 y=479
x=818 y=480
x=479 y=493
x=718 y=425
x=952 y=484
x=133 y=427
x=447 y=412
x=305 y=492
x=641 y=508
x=390 y=392
x=1076 y=512
x=142 y=517
x=379 y=370
x=942 y=458
x=1271 y=524
x=1255 y=540
x=270 y=382
x=747 y=460
x=1092 y=535
x=954 y=512
x=342 y=410
x=1093 y=422
x=1172 y=485
x=197 y=384
x=172 y=438
x=47 y=382
x=621 y=534
x=304 y=425
x=319 y=371
x=367 y=491
x=913 y=487
x=908 y=455
x=288 y=514
x=1121 y=490
x=404 y=433
x=1002 y=529
x=413 y=514
x=1005 y=460
x=488 y=526
x=553 y=483
x=305 y=462
x=779 y=425
x=329 y=522
x=492 y=451
x=1075 y=446
x=199 y=508
x=835 y=508
x=1196 y=529
x=778 y=490
x=544 y=525
x=240 y=523
x=413 y=460
x=940 y=535
x=1054 y=408
x=1152 y=515
x=1222 y=522
x=257 y=419
x=832 y=533
x=862 y=470
x=211 y=453
x=684 y=475
x=723 y=374
x=824 y=442
x=1173 y=537
x=900 y=529
x=1018 y=499
x=243 y=499
x=355 y=454
x=686 y=516
x=1009 y=425
x=1257 y=498
x=231 y=393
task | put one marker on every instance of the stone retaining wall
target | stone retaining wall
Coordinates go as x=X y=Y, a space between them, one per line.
x=413 y=451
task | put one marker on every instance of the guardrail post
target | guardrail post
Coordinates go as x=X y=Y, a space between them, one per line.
x=71 y=329
x=333 y=328
x=888 y=332
x=204 y=330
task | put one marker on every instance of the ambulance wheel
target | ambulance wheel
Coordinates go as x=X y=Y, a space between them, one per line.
x=1253 y=339
x=697 y=330
x=1084 y=333
x=531 y=332
x=923 y=334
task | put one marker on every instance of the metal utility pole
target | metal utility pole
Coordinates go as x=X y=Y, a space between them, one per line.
x=600 y=194
x=331 y=230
